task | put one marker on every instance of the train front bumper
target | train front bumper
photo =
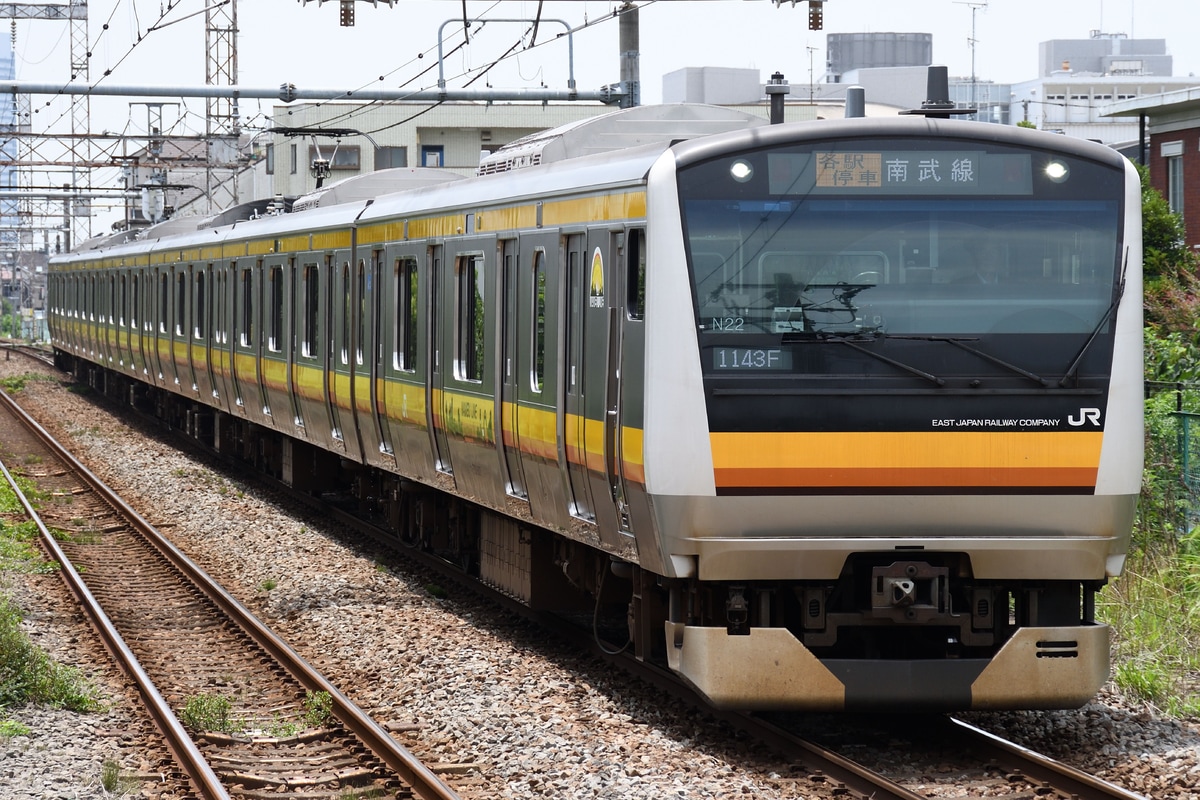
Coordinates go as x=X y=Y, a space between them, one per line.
x=1061 y=667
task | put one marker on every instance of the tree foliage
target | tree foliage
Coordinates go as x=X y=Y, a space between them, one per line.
x=1172 y=299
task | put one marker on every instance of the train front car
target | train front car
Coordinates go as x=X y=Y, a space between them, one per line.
x=893 y=423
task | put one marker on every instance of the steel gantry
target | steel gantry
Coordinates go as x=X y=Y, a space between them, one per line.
x=74 y=13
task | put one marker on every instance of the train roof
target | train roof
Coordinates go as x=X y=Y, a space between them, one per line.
x=583 y=156
x=619 y=130
x=373 y=184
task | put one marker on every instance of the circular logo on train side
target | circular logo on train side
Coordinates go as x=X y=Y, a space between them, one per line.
x=596 y=293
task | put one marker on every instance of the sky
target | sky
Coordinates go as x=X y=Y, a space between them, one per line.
x=290 y=41
x=162 y=43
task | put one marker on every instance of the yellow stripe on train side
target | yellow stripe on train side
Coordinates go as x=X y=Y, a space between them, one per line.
x=596 y=208
x=916 y=459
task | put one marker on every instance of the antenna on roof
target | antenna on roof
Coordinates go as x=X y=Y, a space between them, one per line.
x=937 y=97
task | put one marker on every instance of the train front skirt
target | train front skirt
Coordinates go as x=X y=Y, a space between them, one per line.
x=1039 y=667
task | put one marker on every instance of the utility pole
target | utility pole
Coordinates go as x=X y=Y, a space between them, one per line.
x=974 y=6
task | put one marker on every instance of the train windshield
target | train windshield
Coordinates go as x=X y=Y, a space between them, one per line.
x=902 y=237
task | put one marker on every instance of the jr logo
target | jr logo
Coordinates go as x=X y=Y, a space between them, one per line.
x=1086 y=415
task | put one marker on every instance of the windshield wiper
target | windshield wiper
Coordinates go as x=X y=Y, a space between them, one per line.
x=1039 y=380
x=934 y=379
x=959 y=343
x=1112 y=307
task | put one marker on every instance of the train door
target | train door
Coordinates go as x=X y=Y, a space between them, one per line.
x=137 y=362
x=181 y=347
x=156 y=322
x=124 y=358
x=436 y=337
x=347 y=353
x=364 y=365
x=330 y=351
x=538 y=370
x=175 y=334
x=296 y=343
x=404 y=307
x=219 y=340
x=512 y=319
x=384 y=452
x=572 y=419
x=274 y=345
x=218 y=349
x=600 y=367
x=632 y=506
x=202 y=374
x=613 y=291
x=246 y=345
x=104 y=316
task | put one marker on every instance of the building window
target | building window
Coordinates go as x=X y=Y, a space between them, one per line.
x=1172 y=154
x=1127 y=67
x=391 y=157
x=295 y=160
x=343 y=157
x=270 y=159
x=1175 y=183
x=433 y=155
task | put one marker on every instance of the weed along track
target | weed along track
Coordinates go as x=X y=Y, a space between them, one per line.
x=243 y=714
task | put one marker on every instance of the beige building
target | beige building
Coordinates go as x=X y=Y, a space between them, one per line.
x=382 y=136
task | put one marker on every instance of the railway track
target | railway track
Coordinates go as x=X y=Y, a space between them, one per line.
x=269 y=724
x=853 y=766
x=42 y=355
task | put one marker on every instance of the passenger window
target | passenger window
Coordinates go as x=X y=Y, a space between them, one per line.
x=247 y=333
x=469 y=326
x=311 y=332
x=405 y=356
x=635 y=274
x=180 y=302
x=537 y=375
x=275 y=337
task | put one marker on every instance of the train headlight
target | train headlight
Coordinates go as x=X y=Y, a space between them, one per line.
x=1057 y=171
x=741 y=170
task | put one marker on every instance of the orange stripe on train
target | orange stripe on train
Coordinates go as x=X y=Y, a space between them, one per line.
x=1004 y=458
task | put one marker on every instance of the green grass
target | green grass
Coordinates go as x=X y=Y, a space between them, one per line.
x=16 y=383
x=10 y=504
x=113 y=781
x=318 y=709
x=207 y=712
x=29 y=675
x=10 y=728
x=1154 y=610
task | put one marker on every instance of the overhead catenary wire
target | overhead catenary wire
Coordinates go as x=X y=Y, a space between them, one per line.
x=473 y=74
